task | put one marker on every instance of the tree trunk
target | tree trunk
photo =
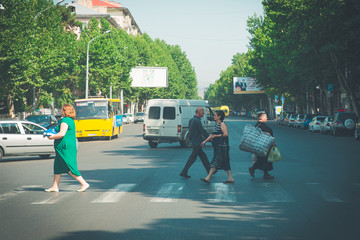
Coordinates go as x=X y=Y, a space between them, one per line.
x=344 y=83
x=11 y=106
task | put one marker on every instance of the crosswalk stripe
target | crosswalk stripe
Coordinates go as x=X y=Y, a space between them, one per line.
x=273 y=192
x=223 y=193
x=55 y=197
x=114 y=194
x=6 y=195
x=317 y=189
x=168 y=192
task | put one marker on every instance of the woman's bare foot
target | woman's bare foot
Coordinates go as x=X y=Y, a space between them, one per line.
x=84 y=187
x=51 y=190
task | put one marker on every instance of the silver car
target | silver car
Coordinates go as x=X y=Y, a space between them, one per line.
x=19 y=137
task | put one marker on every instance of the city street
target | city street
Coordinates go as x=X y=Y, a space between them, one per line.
x=136 y=192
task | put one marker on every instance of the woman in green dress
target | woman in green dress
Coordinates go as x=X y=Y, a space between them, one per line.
x=66 y=151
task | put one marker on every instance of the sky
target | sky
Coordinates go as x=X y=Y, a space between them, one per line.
x=209 y=32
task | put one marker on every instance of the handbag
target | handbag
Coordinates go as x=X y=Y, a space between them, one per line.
x=255 y=141
x=274 y=154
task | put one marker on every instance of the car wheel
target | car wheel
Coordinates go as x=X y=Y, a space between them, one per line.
x=44 y=156
x=153 y=144
x=186 y=142
x=349 y=123
x=1 y=153
x=356 y=135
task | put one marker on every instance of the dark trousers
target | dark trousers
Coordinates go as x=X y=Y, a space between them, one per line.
x=197 y=151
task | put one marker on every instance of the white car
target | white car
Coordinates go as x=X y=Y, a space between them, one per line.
x=19 y=137
x=314 y=125
x=130 y=117
x=292 y=120
x=139 y=117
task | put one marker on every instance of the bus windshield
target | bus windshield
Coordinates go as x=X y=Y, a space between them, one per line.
x=92 y=109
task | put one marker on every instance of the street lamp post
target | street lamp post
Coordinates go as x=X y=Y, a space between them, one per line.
x=87 y=63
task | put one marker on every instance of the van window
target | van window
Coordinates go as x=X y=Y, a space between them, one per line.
x=169 y=113
x=154 y=113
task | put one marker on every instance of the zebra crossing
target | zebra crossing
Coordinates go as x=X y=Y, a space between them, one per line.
x=241 y=192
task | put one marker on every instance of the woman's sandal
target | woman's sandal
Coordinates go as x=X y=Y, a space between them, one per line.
x=204 y=180
x=229 y=182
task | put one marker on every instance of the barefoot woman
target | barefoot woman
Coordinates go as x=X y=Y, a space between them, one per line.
x=66 y=151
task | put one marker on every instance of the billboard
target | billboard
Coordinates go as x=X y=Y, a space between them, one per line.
x=149 y=77
x=246 y=85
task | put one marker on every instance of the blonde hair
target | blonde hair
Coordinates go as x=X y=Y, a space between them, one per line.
x=69 y=111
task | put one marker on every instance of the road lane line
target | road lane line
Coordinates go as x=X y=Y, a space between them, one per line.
x=168 y=192
x=114 y=194
x=55 y=197
x=273 y=192
x=318 y=189
x=223 y=193
x=17 y=191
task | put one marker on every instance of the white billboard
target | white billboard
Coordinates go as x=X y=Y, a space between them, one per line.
x=149 y=77
x=246 y=85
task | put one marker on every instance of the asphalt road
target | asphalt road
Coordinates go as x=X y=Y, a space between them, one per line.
x=136 y=192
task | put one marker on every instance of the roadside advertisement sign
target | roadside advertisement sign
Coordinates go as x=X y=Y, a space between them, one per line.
x=149 y=77
x=278 y=110
x=246 y=85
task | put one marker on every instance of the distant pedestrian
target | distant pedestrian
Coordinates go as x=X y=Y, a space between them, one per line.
x=66 y=150
x=196 y=134
x=220 y=142
x=262 y=162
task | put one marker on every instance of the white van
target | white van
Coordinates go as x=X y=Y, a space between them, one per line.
x=167 y=120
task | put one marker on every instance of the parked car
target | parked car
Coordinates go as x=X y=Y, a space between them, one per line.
x=18 y=137
x=43 y=120
x=139 y=117
x=299 y=120
x=357 y=131
x=130 y=117
x=344 y=123
x=286 y=119
x=314 y=125
x=307 y=120
x=125 y=119
x=325 y=125
x=292 y=120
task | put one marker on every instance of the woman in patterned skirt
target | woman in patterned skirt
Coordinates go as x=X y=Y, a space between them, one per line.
x=220 y=142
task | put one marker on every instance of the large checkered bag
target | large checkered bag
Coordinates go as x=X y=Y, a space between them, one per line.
x=256 y=141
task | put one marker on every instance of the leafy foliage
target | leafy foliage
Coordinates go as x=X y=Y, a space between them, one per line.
x=44 y=53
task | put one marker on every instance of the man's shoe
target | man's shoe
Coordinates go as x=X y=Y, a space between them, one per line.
x=252 y=172
x=268 y=177
x=184 y=175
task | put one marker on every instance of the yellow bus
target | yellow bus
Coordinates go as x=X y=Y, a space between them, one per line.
x=223 y=108
x=98 y=117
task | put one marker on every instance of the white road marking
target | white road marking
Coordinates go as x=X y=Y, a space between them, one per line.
x=17 y=191
x=273 y=192
x=114 y=194
x=55 y=197
x=223 y=192
x=168 y=192
x=317 y=189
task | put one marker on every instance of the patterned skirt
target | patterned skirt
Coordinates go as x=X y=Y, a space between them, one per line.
x=221 y=159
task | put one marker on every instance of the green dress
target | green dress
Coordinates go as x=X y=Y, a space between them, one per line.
x=65 y=148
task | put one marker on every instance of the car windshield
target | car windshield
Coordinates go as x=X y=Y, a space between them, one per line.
x=344 y=116
x=140 y=114
x=41 y=120
x=91 y=110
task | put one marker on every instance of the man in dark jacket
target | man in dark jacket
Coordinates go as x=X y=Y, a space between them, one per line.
x=196 y=134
